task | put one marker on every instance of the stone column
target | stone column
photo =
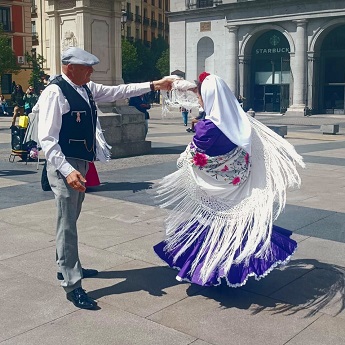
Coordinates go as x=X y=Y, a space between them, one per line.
x=310 y=80
x=233 y=58
x=54 y=38
x=242 y=76
x=299 y=70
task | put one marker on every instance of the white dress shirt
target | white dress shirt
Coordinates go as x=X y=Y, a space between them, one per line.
x=52 y=105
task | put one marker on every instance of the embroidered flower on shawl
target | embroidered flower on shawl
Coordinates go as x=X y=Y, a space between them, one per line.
x=200 y=159
x=236 y=180
x=246 y=158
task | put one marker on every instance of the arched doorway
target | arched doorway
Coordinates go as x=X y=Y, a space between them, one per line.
x=270 y=72
x=205 y=55
x=332 y=71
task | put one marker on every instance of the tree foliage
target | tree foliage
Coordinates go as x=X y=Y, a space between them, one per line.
x=140 y=63
x=130 y=61
x=36 y=63
x=163 y=63
x=8 y=60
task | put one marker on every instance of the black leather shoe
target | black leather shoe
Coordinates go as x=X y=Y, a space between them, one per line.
x=87 y=273
x=80 y=299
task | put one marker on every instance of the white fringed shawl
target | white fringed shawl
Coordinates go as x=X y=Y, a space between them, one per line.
x=239 y=219
x=103 y=153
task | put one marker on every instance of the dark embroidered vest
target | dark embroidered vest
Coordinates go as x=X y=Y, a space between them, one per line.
x=77 y=137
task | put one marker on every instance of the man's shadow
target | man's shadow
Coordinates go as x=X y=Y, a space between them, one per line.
x=329 y=285
x=121 y=186
x=154 y=280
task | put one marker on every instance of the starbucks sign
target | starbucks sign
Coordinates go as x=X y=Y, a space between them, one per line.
x=271 y=42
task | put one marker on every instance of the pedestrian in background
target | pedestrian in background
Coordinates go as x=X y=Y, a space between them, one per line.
x=4 y=105
x=184 y=113
x=18 y=103
x=196 y=119
x=143 y=104
x=30 y=99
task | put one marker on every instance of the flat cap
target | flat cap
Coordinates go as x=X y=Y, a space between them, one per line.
x=78 y=56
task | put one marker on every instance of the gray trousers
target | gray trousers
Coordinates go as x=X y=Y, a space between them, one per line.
x=68 y=202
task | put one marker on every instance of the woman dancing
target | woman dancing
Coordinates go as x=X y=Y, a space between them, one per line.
x=229 y=188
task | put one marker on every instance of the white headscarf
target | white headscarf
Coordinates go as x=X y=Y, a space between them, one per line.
x=224 y=111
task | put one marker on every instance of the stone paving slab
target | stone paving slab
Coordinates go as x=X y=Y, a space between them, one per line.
x=26 y=303
x=326 y=330
x=141 y=248
x=234 y=316
x=107 y=326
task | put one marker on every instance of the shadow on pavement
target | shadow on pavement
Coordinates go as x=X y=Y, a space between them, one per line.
x=313 y=288
x=118 y=186
x=151 y=279
x=167 y=150
x=316 y=286
x=16 y=172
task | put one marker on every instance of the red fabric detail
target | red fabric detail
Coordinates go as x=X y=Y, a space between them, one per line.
x=202 y=76
x=92 y=179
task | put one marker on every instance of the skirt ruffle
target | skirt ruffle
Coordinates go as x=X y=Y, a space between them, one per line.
x=281 y=249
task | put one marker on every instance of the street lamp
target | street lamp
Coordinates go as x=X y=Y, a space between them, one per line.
x=123 y=21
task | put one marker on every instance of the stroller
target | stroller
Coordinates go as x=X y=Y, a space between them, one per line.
x=24 y=141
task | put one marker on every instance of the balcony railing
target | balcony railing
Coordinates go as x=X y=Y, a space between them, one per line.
x=192 y=4
x=160 y=25
x=34 y=10
x=138 y=18
x=146 y=21
x=153 y=23
x=34 y=38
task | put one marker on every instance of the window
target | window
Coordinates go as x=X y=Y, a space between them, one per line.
x=6 y=83
x=129 y=31
x=5 y=18
x=160 y=3
x=152 y=2
x=137 y=11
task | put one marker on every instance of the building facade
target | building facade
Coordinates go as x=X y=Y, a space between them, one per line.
x=93 y=25
x=282 y=56
x=15 y=21
x=145 y=20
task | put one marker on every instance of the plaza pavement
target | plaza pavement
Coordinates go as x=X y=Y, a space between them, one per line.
x=140 y=301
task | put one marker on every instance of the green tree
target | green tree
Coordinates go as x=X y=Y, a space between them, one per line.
x=158 y=46
x=36 y=63
x=130 y=61
x=8 y=60
x=163 y=64
x=148 y=70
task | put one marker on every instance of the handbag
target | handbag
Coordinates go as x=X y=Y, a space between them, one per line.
x=44 y=179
